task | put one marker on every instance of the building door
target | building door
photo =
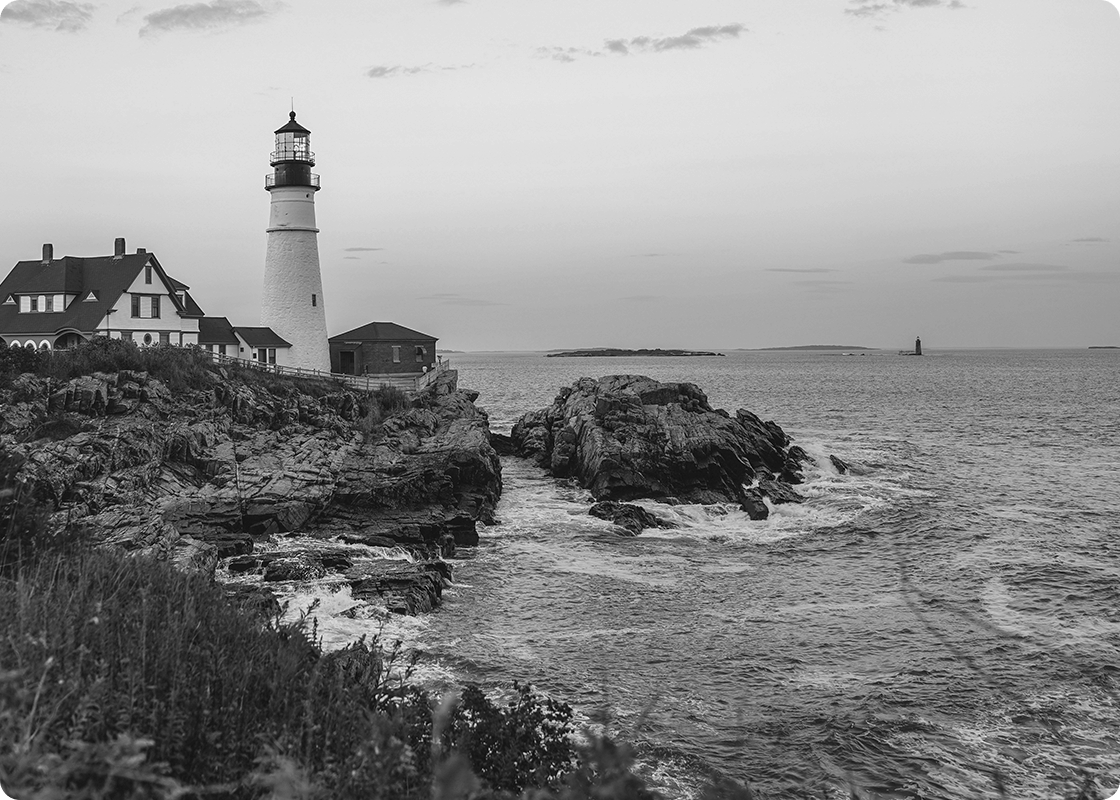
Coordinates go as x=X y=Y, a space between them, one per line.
x=346 y=362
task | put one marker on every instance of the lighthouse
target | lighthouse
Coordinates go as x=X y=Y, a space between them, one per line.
x=292 y=302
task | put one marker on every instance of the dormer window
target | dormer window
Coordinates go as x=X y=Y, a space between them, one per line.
x=148 y=274
x=34 y=304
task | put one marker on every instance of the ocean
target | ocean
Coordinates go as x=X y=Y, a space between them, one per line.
x=942 y=622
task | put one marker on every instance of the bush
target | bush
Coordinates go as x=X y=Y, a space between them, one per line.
x=18 y=360
x=527 y=743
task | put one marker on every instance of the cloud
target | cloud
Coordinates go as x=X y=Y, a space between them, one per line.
x=877 y=8
x=361 y=249
x=566 y=55
x=354 y=258
x=396 y=70
x=199 y=16
x=955 y=255
x=689 y=40
x=1090 y=239
x=60 y=15
x=794 y=269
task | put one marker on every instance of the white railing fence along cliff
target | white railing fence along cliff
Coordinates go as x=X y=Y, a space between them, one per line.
x=407 y=383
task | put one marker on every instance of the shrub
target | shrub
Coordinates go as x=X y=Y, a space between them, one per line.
x=391 y=400
x=526 y=743
x=17 y=360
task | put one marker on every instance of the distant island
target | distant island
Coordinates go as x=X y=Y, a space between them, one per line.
x=819 y=347
x=596 y=352
x=1104 y=347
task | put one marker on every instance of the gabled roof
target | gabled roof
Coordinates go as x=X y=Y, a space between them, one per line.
x=106 y=277
x=190 y=307
x=261 y=337
x=216 y=330
x=382 y=332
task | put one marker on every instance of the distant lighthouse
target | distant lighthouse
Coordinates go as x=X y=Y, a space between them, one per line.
x=292 y=303
x=918 y=346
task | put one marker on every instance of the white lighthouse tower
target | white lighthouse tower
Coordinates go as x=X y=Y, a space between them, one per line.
x=292 y=304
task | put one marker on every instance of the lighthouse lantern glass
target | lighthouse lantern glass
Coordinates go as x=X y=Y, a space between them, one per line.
x=292 y=146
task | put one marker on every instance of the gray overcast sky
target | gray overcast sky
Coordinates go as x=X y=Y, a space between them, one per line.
x=562 y=173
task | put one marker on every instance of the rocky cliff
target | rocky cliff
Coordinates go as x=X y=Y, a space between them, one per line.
x=628 y=436
x=228 y=468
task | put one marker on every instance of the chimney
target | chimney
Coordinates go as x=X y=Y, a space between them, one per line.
x=141 y=251
x=118 y=247
x=48 y=253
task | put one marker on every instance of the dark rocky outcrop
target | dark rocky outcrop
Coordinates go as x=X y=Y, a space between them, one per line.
x=631 y=518
x=628 y=436
x=201 y=475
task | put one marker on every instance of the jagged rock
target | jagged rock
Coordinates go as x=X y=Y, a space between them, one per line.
x=404 y=588
x=631 y=518
x=841 y=465
x=754 y=505
x=503 y=445
x=292 y=565
x=191 y=477
x=779 y=492
x=627 y=436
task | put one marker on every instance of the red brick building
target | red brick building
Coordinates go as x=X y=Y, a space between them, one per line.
x=382 y=348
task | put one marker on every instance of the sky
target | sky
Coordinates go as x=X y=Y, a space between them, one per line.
x=502 y=174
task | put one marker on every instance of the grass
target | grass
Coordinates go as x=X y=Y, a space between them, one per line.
x=123 y=678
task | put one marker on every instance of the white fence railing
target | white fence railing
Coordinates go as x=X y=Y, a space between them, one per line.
x=368 y=383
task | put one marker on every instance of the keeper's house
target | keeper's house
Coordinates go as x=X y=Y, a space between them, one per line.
x=59 y=302
x=382 y=348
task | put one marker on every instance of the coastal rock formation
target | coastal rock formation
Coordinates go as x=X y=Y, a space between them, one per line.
x=628 y=436
x=631 y=518
x=207 y=473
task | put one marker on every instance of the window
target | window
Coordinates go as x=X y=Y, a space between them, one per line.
x=165 y=337
x=148 y=274
x=34 y=303
x=396 y=354
x=420 y=353
x=147 y=338
x=155 y=306
x=272 y=355
x=50 y=303
x=222 y=349
x=314 y=300
x=135 y=305
x=126 y=336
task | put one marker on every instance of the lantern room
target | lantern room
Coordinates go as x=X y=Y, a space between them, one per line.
x=292 y=159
